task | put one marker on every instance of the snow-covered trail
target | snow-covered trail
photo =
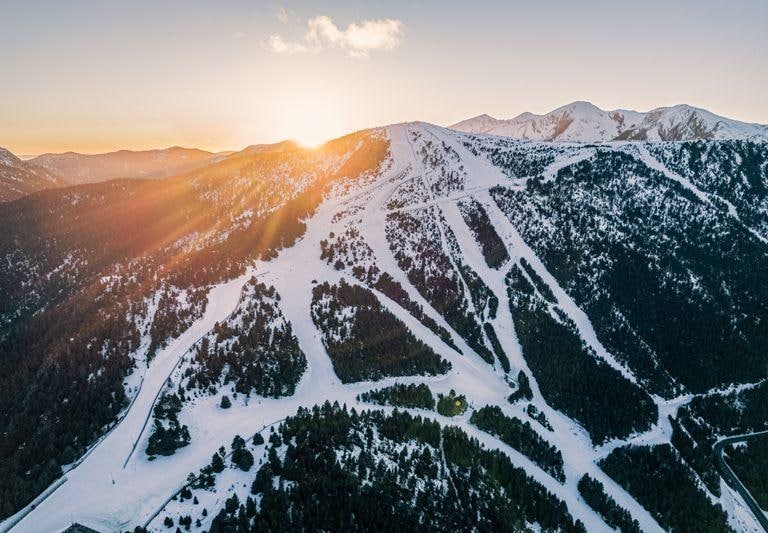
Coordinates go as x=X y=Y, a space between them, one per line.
x=654 y=164
x=517 y=245
x=99 y=492
x=586 y=330
x=482 y=385
x=551 y=171
x=650 y=161
x=373 y=226
x=568 y=437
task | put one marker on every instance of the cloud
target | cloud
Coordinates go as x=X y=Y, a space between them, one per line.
x=277 y=45
x=281 y=14
x=358 y=39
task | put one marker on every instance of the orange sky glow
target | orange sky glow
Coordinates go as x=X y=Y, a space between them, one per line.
x=143 y=75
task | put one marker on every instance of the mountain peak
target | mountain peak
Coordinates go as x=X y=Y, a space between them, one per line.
x=7 y=157
x=280 y=146
x=480 y=124
x=525 y=115
x=580 y=105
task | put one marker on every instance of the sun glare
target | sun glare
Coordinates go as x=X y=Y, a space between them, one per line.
x=313 y=128
x=311 y=141
x=312 y=114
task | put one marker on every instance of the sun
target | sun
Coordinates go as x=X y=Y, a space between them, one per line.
x=314 y=128
x=310 y=141
x=311 y=112
x=313 y=115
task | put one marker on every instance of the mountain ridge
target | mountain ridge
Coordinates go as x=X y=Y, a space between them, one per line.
x=577 y=122
x=582 y=121
x=80 y=168
x=24 y=176
x=19 y=177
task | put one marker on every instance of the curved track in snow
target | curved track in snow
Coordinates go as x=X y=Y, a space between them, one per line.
x=730 y=477
x=99 y=492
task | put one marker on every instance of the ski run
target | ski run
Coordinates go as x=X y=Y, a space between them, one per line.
x=114 y=487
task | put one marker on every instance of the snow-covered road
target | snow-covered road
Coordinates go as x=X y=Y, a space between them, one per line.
x=101 y=493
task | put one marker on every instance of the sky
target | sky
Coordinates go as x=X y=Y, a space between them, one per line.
x=99 y=75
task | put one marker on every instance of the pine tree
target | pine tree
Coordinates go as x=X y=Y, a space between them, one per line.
x=217 y=463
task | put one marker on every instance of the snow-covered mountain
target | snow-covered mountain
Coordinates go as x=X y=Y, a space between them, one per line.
x=585 y=122
x=19 y=178
x=408 y=328
x=147 y=164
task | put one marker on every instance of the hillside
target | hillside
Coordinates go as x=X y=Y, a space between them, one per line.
x=407 y=328
x=19 y=178
x=586 y=123
x=149 y=164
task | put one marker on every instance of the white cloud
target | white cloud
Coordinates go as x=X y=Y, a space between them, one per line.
x=358 y=39
x=281 y=14
x=277 y=45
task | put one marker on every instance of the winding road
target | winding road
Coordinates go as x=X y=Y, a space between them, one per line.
x=733 y=481
x=97 y=488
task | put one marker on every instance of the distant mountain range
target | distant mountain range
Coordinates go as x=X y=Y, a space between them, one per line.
x=585 y=122
x=578 y=122
x=148 y=164
x=19 y=178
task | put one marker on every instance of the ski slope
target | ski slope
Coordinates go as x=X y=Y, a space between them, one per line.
x=115 y=487
x=99 y=491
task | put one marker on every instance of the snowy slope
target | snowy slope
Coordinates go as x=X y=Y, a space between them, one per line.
x=585 y=122
x=429 y=174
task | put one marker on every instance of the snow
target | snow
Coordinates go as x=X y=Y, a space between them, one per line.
x=115 y=486
x=585 y=122
x=99 y=491
x=479 y=124
x=655 y=164
x=740 y=517
x=563 y=162
x=564 y=301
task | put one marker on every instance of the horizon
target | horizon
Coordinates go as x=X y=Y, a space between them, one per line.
x=146 y=75
x=230 y=151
